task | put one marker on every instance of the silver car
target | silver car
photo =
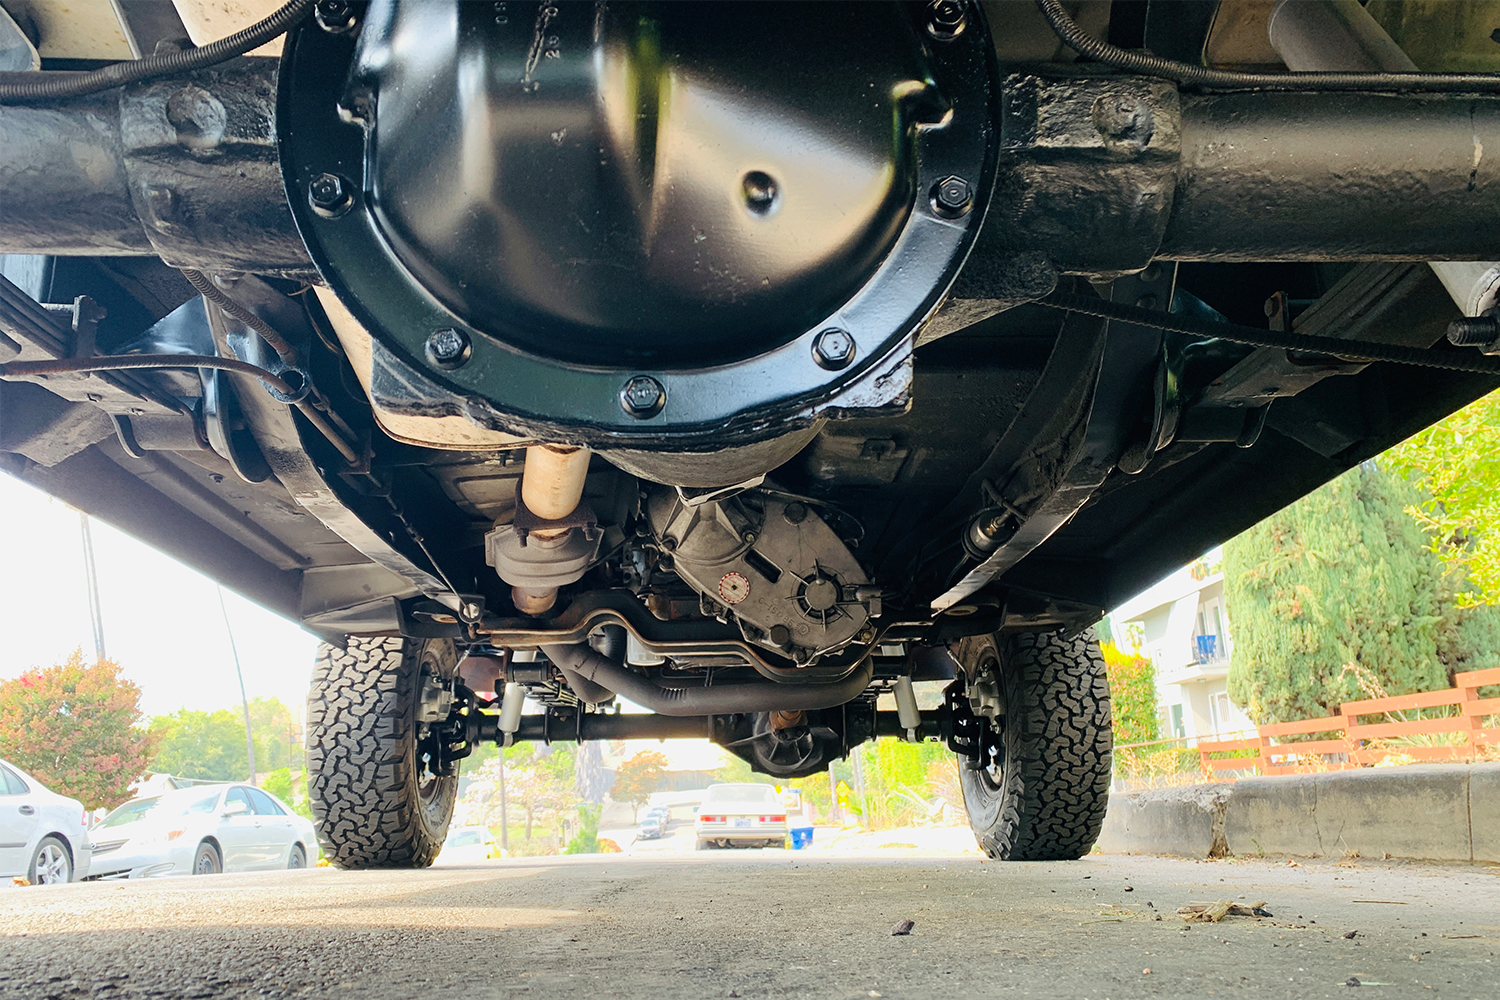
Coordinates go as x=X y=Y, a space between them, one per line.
x=201 y=830
x=42 y=836
x=742 y=815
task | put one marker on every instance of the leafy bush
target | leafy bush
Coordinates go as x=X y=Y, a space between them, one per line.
x=1132 y=695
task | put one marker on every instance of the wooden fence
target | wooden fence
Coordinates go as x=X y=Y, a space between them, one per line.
x=1342 y=741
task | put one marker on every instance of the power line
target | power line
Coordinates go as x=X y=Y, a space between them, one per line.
x=92 y=576
x=244 y=702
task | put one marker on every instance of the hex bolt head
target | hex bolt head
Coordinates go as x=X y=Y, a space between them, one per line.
x=952 y=196
x=643 y=397
x=833 y=349
x=471 y=611
x=329 y=195
x=334 y=16
x=945 y=19
x=448 y=348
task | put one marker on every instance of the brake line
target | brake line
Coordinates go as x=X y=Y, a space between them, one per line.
x=206 y=287
x=1351 y=350
x=50 y=84
x=125 y=362
x=1186 y=73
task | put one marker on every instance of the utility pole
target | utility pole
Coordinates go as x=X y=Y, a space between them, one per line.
x=92 y=575
x=244 y=702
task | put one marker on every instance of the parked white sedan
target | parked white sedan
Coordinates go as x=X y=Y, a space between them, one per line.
x=201 y=830
x=740 y=815
x=42 y=836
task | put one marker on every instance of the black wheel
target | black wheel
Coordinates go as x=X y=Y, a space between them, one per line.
x=207 y=860
x=298 y=858
x=51 y=863
x=377 y=801
x=1043 y=786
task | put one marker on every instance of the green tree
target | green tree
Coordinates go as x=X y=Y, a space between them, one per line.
x=1457 y=463
x=1342 y=576
x=290 y=787
x=586 y=841
x=75 y=727
x=278 y=737
x=1132 y=695
x=210 y=746
x=206 y=746
x=637 y=778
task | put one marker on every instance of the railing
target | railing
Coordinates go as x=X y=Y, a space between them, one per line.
x=1351 y=744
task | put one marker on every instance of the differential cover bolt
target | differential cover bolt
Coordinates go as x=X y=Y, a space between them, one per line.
x=833 y=349
x=643 y=397
x=952 y=196
x=945 y=19
x=448 y=348
x=334 y=16
x=329 y=195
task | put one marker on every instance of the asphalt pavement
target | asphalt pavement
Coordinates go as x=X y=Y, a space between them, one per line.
x=764 y=923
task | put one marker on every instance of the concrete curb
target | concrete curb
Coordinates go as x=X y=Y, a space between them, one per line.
x=1434 y=812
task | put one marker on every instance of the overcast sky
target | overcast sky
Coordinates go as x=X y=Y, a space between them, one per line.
x=161 y=620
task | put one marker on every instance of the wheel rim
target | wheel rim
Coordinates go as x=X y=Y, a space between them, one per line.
x=430 y=785
x=297 y=859
x=52 y=865
x=205 y=864
x=992 y=773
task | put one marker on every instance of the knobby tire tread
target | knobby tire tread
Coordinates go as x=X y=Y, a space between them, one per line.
x=361 y=759
x=1059 y=751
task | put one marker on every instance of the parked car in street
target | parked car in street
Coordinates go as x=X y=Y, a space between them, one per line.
x=651 y=828
x=467 y=844
x=740 y=815
x=42 y=836
x=202 y=830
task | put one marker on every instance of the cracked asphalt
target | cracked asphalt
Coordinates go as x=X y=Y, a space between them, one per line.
x=763 y=924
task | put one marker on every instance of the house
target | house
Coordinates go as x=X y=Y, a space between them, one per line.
x=1183 y=625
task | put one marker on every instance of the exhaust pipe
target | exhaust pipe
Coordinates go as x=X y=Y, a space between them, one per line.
x=1340 y=35
x=596 y=670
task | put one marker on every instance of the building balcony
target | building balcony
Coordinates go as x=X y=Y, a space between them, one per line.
x=1208 y=650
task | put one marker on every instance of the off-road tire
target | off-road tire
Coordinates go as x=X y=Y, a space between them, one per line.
x=1047 y=801
x=371 y=804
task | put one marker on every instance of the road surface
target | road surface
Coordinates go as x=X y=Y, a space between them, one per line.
x=763 y=924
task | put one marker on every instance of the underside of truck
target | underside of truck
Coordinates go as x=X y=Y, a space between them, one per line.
x=747 y=363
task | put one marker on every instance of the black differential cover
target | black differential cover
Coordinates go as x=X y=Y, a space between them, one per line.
x=627 y=184
x=594 y=192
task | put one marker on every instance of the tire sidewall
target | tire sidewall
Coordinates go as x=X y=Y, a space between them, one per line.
x=208 y=849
